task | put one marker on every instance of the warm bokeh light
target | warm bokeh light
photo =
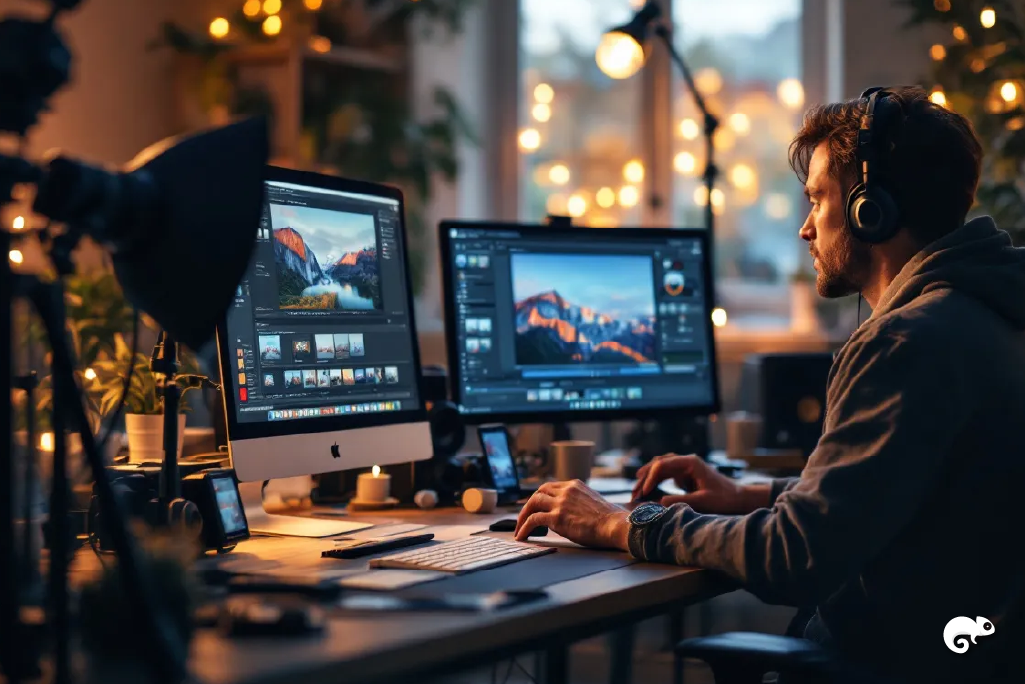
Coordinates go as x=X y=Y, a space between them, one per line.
x=46 y=441
x=689 y=129
x=708 y=81
x=791 y=93
x=602 y=221
x=743 y=176
x=633 y=171
x=685 y=163
x=719 y=317
x=272 y=25
x=959 y=33
x=89 y=374
x=988 y=17
x=619 y=56
x=543 y=93
x=219 y=27
x=605 y=198
x=777 y=206
x=15 y=256
x=718 y=198
x=629 y=196
x=701 y=195
x=271 y=6
x=313 y=4
x=938 y=97
x=556 y=204
x=740 y=123
x=576 y=206
x=937 y=52
x=941 y=5
x=18 y=223
x=320 y=44
x=541 y=112
x=559 y=174
x=530 y=139
x=1009 y=91
x=723 y=139
x=637 y=4
x=251 y=8
x=977 y=65
x=1016 y=124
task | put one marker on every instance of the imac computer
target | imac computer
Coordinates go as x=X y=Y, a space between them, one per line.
x=318 y=354
x=553 y=324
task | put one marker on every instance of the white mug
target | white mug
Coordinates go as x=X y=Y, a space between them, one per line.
x=477 y=500
x=743 y=432
x=571 y=459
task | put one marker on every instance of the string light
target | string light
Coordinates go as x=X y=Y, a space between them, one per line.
x=576 y=206
x=959 y=33
x=718 y=199
x=251 y=8
x=89 y=374
x=790 y=93
x=320 y=44
x=719 y=317
x=708 y=81
x=685 y=163
x=743 y=176
x=1009 y=91
x=740 y=123
x=937 y=52
x=633 y=171
x=543 y=93
x=605 y=198
x=313 y=5
x=978 y=65
x=628 y=196
x=689 y=129
x=1016 y=124
x=219 y=27
x=15 y=256
x=556 y=204
x=272 y=25
x=530 y=139
x=938 y=97
x=271 y=6
x=559 y=174
x=541 y=112
x=941 y=5
x=988 y=17
x=701 y=195
x=18 y=223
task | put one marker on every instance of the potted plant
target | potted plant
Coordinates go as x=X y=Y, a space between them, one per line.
x=144 y=403
x=804 y=316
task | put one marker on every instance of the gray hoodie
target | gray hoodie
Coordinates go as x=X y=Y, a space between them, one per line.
x=911 y=510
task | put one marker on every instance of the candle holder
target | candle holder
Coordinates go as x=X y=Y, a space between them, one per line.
x=373 y=491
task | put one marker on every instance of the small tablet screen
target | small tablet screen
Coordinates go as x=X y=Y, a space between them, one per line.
x=500 y=461
x=229 y=505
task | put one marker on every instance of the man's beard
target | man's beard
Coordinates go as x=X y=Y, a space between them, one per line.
x=842 y=271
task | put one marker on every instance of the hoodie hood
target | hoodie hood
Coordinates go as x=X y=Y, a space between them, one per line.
x=977 y=260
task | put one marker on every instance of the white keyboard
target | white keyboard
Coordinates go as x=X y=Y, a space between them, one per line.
x=462 y=555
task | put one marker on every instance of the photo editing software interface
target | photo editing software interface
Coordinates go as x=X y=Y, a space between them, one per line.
x=546 y=321
x=321 y=325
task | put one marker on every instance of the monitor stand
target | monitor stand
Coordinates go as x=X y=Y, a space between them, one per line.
x=262 y=522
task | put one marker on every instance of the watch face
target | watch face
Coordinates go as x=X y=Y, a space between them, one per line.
x=646 y=513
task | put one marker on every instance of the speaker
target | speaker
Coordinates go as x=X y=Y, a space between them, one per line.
x=788 y=392
x=689 y=435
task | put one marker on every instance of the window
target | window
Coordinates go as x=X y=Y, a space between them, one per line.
x=592 y=147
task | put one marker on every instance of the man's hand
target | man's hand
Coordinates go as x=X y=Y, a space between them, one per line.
x=576 y=512
x=708 y=490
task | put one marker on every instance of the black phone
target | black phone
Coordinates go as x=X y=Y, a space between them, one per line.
x=501 y=468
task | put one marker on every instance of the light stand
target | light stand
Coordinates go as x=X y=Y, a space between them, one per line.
x=165 y=363
x=195 y=200
x=620 y=60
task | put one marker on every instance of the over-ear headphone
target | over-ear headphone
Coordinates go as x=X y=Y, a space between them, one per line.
x=872 y=214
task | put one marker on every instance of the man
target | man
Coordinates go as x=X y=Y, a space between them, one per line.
x=906 y=514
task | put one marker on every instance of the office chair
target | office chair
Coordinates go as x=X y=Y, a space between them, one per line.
x=746 y=657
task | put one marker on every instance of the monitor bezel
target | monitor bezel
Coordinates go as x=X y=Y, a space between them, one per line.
x=257 y=430
x=569 y=415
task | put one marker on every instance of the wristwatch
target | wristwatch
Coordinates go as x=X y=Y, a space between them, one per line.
x=646 y=514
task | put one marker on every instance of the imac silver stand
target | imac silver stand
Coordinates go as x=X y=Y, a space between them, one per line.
x=262 y=522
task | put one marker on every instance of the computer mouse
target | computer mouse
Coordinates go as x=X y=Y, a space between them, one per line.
x=509 y=525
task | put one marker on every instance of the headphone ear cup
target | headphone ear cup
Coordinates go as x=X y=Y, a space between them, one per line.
x=871 y=214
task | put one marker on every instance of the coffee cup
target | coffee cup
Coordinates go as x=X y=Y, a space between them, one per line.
x=571 y=459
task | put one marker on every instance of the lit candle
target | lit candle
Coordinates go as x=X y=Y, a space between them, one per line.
x=373 y=487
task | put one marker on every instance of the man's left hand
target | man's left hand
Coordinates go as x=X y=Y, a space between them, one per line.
x=576 y=512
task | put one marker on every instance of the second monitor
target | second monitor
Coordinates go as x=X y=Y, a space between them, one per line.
x=547 y=324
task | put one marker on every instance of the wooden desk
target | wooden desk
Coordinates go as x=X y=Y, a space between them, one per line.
x=406 y=647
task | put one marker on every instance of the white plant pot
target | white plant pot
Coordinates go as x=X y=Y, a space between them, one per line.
x=804 y=317
x=146 y=437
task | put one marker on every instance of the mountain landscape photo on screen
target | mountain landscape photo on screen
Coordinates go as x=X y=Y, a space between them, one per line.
x=583 y=309
x=325 y=260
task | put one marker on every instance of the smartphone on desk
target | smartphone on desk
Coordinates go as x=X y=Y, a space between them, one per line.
x=501 y=467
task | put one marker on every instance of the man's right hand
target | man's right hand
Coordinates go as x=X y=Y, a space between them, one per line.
x=708 y=490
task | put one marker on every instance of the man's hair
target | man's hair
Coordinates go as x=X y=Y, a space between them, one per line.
x=932 y=170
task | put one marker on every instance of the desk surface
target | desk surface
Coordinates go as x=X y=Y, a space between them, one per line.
x=372 y=648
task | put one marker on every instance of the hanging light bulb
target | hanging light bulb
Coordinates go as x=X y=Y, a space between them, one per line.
x=619 y=56
x=988 y=17
x=689 y=129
